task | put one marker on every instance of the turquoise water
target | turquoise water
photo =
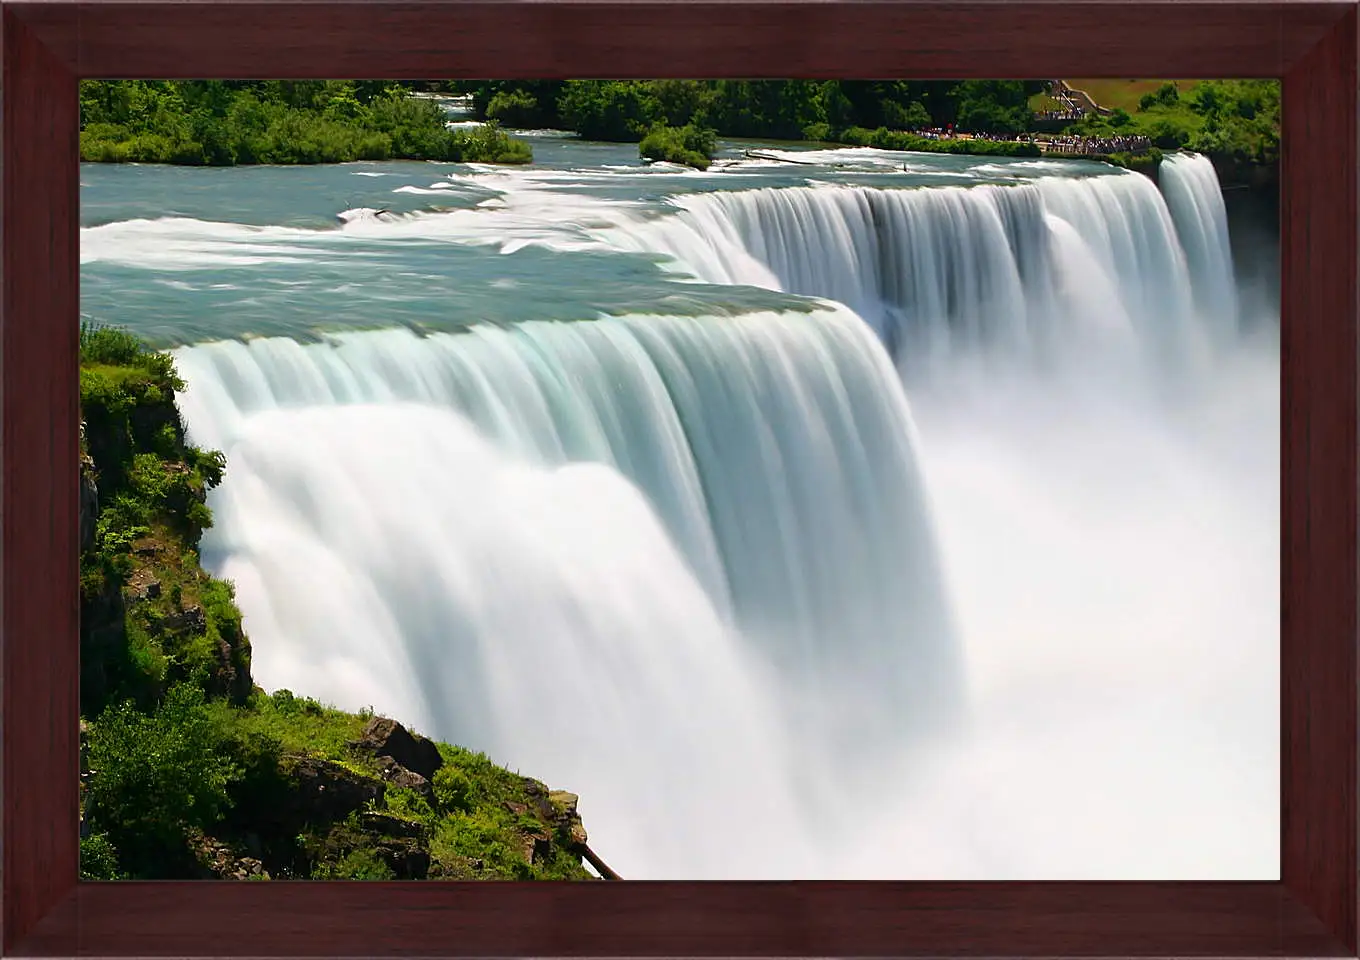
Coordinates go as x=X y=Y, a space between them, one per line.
x=182 y=254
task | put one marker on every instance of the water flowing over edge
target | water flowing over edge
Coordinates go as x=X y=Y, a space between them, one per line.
x=752 y=456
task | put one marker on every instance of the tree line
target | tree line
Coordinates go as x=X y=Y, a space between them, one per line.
x=226 y=122
x=627 y=110
x=222 y=122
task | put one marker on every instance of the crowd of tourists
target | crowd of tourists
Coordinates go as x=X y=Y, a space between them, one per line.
x=1003 y=137
x=1087 y=146
x=1067 y=144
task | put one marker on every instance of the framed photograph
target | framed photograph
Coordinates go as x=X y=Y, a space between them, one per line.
x=785 y=459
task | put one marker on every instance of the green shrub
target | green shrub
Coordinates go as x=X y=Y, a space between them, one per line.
x=406 y=803
x=617 y=111
x=155 y=775
x=482 y=835
x=514 y=108
x=99 y=858
x=361 y=864
x=105 y=344
x=819 y=132
x=688 y=145
x=452 y=789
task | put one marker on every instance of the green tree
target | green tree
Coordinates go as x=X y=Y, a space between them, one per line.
x=156 y=775
x=910 y=116
x=514 y=108
x=993 y=106
x=616 y=111
x=689 y=145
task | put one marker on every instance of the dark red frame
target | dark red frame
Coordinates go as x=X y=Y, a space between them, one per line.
x=47 y=46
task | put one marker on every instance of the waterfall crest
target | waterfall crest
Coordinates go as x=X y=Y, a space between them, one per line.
x=1035 y=271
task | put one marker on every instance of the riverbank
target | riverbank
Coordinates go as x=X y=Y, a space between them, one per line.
x=228 y=123
x=188 y=769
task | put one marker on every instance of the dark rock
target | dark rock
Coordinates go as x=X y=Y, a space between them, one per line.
x=143 y=585
x=398 y=776
x=392 y=826
x=408 y=859
x=327 y=791
x=539 y=803
x=387 y=738
x=537 y=846
x=231 y=674
x=191 y=620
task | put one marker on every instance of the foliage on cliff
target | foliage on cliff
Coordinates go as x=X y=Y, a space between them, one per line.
x=189 y=769
x=226 y=122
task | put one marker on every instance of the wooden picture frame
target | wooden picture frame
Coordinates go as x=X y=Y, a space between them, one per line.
x=49 y=46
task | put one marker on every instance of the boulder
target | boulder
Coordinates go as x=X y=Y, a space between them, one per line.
x=388 y=738
x=191 y=620
x=327 y=791
x=407 y=858
x=392 y=826
x=398 y=776
x=565 y=816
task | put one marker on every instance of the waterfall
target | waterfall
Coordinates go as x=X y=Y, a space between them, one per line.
x=718 y=575
x=1016 y=272
x=590 y=549
x=1196 y=203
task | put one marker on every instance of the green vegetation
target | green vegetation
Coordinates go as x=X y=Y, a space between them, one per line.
x=190 y=770
x=1125 y=94
x=1141 y=162
x=885 y=139
x=689 y=145
x=157 y=773
x=627 y=110
x=224 y=122
x=1234 y=122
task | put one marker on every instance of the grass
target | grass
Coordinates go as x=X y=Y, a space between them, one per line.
x=301 y=725
x=1125 y=93
x=1042 y=103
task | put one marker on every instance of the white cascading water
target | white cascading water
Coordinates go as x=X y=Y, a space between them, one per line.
x=484 y=521
x=941 y=272
x=1196 y=204
x=712 y=574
